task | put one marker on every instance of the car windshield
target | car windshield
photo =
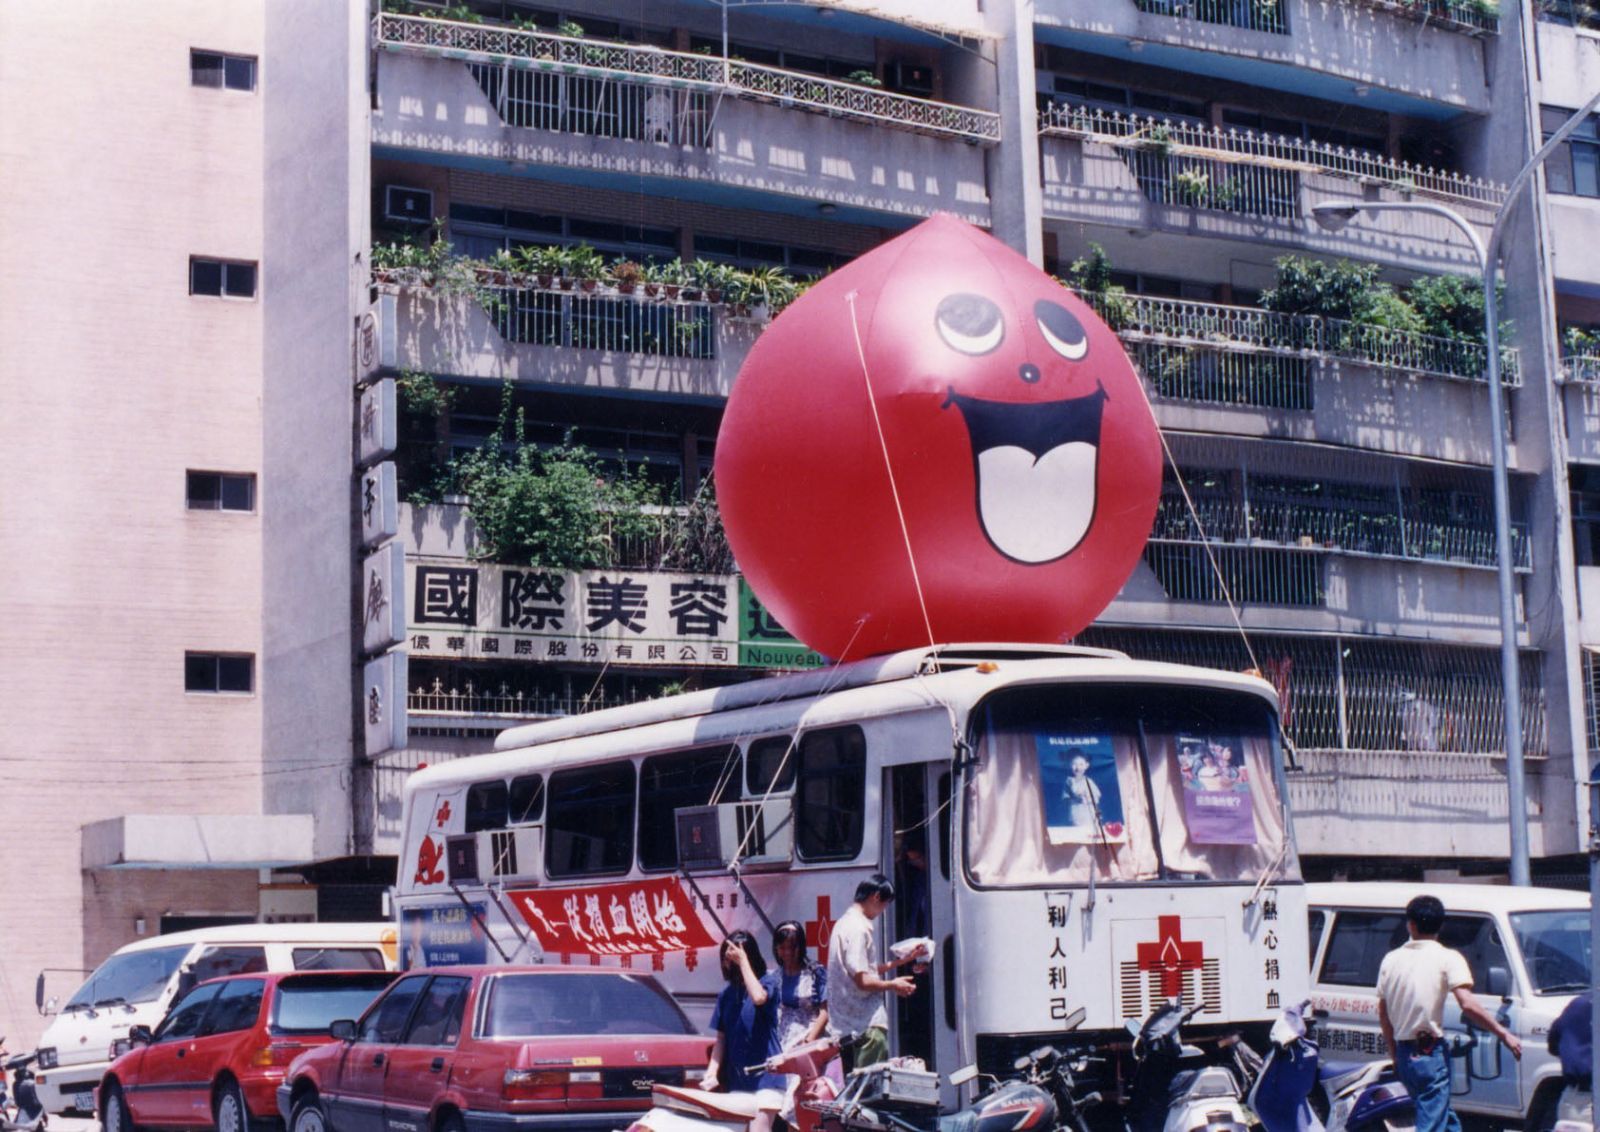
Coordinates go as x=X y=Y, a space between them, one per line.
x=308 y=1003
x=535 y=1005
x=1130 y=783
x=1556 y=949
x=136 y=976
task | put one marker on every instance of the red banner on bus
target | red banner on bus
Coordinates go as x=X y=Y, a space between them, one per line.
x=640 y=917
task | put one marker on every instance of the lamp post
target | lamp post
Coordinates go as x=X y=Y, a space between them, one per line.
x=1334 y=215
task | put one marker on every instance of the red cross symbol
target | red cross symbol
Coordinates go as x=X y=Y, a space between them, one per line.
x=443 y=815
x=820 y=930
x=1171 y=955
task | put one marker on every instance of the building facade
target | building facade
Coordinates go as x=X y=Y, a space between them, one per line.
x=270 y=183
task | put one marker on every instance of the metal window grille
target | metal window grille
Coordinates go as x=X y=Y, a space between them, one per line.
x=1348 y=694
x=1170 y=144
x=681 y=71
x=602 y=322
x=1193 y=373
x=596 y=105
x=1254 y=575
x=1252 y=15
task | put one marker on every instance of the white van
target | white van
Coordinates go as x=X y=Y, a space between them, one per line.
x=1529 y=951
x=136 y=985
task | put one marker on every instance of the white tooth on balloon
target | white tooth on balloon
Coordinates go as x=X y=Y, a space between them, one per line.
x=1037 y=509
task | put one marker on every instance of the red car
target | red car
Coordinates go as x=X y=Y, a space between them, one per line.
x=475 y=1049
x=218 y=1056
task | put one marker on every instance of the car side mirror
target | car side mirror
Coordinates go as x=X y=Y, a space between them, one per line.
x=186 y=982
x=1499 y=982
x=140 y=1035
x=343 y=1030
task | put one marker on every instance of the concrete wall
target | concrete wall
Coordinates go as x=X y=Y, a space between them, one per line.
x=433 y=108
x=116 y=381
x=1350 y=40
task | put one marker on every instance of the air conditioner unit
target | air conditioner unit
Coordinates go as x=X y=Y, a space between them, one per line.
x=402 y=205
x=760 y=834
x=494 y=854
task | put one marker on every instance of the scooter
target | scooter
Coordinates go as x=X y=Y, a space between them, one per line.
x=28 y=1115
x=1361 y=1098
x=678 y=1108
x=1176 y=1087
x=1575 y=1110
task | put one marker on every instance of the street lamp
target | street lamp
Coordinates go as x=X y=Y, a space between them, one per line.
x=1333 y=216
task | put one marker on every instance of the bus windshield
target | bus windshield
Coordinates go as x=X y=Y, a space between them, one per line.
x=1134 y=783
x=137 y=976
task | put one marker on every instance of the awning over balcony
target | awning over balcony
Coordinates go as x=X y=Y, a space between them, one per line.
x=198 y=841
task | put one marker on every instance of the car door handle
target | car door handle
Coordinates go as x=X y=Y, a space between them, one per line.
x=181 y=1052
x=377 y=1059
x=438 y=1064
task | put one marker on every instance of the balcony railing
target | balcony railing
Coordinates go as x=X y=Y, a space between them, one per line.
x=653 y=67
x=1273 y=339
x=621 y=323
x=1475 y=17
x=1577 y=13
x=596 y=105
x=1243 y=171
x=1582 y=369
x=502 y=701
x=1252 y=15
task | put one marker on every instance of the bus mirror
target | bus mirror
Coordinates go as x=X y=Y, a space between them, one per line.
x=963 y=1075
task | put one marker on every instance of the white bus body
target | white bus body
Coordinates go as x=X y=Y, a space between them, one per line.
x=136 y=985
x=563 y=844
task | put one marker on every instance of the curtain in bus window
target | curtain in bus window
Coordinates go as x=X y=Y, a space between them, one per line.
x=1189 y=773
x=1008 y=842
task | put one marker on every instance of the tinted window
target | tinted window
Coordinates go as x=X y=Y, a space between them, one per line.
x=438 y=1018
x=237 y=1007
x=1479 y=942
x=831 y=798
x=1315 y=922
x=338 y=959
x=589 y=828
x=139 y=976
x=214 y=962
x=670 y=782
x=387 y=1020
x=1358 y=944
x=771 y=764
x=486 y=806
x=185 y=1018
x=308 y=1004
x=531 y=1005
x=526 y=802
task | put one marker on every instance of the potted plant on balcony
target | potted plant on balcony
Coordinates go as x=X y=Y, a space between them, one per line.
x=674 y=276
x=653 y=279
x=1193 y=185
x=502 y=268
x=864 y=77
x=626 y=275
x=586 y=265
x=710 y=278
x=766 y=290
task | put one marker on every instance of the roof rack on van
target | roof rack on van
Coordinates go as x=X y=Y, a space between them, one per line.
x=884 y=669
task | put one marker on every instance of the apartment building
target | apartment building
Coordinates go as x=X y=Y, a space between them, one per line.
x=199 y=504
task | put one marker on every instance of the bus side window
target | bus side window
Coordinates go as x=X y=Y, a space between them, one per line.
x=669 y=782
x=486 y=806
x=589 y=821
x=769 y=765
x=830 y=801
x=526 y=802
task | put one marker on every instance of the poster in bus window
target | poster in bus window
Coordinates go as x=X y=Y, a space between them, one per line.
x=442 y=935
x=1082 y=796
x=1216 y=790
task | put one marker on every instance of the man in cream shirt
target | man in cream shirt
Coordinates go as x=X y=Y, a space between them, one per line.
x=1413 y=982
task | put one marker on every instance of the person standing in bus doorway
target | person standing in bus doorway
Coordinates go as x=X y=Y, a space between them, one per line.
x=855 y=980
x=1413 y=981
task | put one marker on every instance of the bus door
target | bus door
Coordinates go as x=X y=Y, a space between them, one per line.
x=916 y=833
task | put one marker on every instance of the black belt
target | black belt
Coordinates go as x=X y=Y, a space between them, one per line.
x=1425 y=1041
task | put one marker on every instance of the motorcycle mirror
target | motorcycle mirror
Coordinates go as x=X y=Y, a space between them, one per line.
x=963 y=1075
x=1075 y=1019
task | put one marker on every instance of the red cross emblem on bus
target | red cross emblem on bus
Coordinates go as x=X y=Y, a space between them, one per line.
x=820 y=930
x=1171 y=955
x=443 y=815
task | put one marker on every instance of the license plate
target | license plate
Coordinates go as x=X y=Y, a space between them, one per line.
x=83 y=1102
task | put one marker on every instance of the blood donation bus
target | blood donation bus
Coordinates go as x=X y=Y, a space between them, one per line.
x=1071 y=827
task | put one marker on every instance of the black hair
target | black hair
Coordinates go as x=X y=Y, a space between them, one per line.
x=787 y=931
x=875 y=885
x=751 y=948
x=1426 y=914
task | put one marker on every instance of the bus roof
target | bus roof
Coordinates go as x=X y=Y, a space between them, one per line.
x=905 y=681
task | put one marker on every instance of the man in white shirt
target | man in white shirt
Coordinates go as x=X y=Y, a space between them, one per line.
x=855 y=979
x=1413 y=982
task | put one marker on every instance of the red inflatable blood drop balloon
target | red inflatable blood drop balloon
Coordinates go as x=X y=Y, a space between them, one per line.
x=937 y=440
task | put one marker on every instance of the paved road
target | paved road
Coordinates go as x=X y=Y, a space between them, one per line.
x=73 y=1124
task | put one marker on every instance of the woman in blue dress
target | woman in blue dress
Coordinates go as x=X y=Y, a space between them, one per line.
x=746 y=1022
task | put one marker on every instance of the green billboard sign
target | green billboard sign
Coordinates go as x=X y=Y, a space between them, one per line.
x=763 y=643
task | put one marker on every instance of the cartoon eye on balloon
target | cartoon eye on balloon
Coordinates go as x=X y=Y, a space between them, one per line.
x=983 y=466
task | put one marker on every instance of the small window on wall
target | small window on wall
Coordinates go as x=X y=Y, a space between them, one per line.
x=227 y=279
x=486 y=806
x=668 y=783
x=221 y=491
x=831 y=795
x=589 y=826
x=215 y=69
x=217 y=672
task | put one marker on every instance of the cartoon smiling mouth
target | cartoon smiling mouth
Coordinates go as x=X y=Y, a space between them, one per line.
x=1035 y=465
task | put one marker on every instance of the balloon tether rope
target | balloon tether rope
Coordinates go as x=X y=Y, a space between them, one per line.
x=894 y=488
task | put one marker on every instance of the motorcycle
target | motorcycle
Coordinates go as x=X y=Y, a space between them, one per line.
x=679 y=1108
x=22 y=1111
x=1363 y=1098
x=1178 y=1087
